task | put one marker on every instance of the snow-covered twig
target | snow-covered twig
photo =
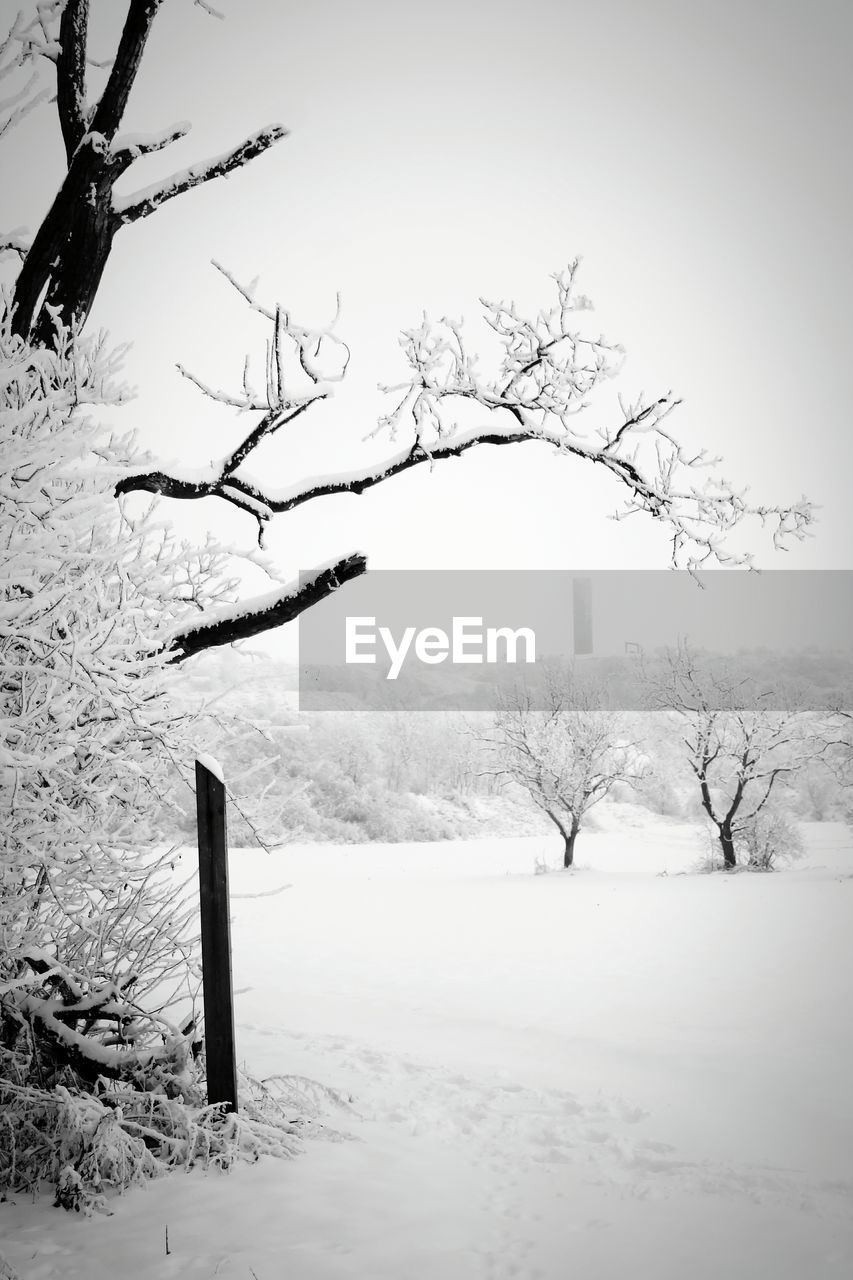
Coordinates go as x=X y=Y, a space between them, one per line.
x=545 y=377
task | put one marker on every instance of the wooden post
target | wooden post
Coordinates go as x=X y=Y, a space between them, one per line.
x=215 y=938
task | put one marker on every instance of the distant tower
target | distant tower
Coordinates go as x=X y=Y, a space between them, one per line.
x=582 y=615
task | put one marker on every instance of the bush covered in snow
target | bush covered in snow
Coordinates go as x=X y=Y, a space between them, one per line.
x=97 y=1086
x=769 y=838
x=89 y=1145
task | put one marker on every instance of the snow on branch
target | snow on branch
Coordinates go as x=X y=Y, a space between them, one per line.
x=252 y=617
x=134 y=145
x=29 y=40
x=14 y=108
x=13 y=242
x=142 y=203
x=301 y=367
x=18 y=49
x=547 y=373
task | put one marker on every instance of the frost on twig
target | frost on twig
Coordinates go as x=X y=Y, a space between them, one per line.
x=300 y=368
x=549 y=371
x=19 y=50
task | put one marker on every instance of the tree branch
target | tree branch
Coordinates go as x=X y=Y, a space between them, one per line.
x=252 y=618
x=547 y=373
x=71 y=74
x=143 y=203
x=159 y=482
x=131 y=146
x=111 y=108
x=86 y=1055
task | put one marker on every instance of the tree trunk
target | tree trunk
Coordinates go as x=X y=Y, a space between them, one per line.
x=727 y=845
x=569 y=837
x=64 y=266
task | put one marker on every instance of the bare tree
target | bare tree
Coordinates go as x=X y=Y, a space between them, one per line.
x=740 y=740
x=565 y=748
x=547 y=371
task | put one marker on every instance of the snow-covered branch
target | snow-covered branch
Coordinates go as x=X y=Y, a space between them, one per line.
x=544 y=381
x=134 y=145
x=143 y=203
x=14 y=242
x=253 y=617
x=18 y=52
x=301 y=367
x=546 y=375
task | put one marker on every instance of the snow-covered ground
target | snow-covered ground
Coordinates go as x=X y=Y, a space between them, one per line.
x=619 y=1071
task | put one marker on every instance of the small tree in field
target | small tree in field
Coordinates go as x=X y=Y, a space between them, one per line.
x=739 y=745
x=565 y=748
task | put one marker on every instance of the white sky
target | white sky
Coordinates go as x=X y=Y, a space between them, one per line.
x=696 y=156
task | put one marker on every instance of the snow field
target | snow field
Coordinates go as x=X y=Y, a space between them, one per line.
x=604 y=1072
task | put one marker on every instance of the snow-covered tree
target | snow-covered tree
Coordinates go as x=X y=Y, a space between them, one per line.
x=549 y=365
x=88 y=923
x=97 y=938
x=565 y=747
x=741 y=742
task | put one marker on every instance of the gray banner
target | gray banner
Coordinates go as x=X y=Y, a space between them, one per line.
x=448 y=640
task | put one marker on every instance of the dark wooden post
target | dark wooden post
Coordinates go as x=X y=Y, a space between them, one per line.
x=215 y=938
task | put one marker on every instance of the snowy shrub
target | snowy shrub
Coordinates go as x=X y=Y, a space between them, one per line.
x=98 y=1087
x=91 y=1145
x=769 y=838
x=88 y=730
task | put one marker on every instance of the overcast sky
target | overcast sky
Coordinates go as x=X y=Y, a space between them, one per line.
x=696 y=156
